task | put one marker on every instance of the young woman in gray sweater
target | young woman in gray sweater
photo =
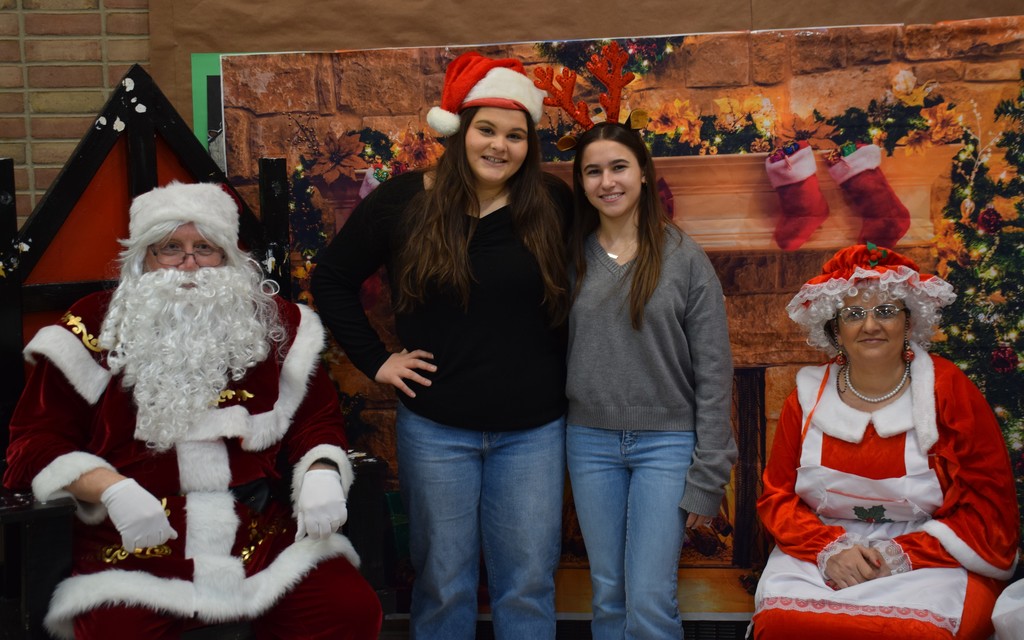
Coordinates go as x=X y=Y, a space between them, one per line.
x=649 y=442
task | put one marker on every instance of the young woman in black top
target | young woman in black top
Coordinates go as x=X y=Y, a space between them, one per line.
x=474 y=254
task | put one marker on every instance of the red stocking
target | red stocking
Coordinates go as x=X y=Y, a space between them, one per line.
x=885 y=218
x=791 y=170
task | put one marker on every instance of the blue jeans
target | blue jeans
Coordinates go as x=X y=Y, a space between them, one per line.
x=627 y=486
x=502 y=489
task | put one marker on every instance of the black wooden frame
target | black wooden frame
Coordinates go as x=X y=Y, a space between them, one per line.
x=140 y=130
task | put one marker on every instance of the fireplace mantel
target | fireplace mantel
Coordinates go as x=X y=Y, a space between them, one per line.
x=726 y=203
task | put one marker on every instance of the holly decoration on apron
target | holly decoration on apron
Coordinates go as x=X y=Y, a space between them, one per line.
x=871 y=514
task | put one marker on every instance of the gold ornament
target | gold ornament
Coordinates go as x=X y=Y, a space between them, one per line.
x=966 y=209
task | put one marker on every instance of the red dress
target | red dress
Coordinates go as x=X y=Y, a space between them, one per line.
x=228 y=562
x=929 y=472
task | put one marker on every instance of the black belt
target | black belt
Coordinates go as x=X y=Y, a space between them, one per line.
x=255 y=494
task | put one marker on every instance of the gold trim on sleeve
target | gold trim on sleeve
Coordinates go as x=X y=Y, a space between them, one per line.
x=78 y=328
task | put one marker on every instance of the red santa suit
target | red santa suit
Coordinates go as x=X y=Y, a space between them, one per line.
x=228 y=561
x=926 y=480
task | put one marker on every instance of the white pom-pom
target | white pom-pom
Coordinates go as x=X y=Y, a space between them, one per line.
x=444 y=122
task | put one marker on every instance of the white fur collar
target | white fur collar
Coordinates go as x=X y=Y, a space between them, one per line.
x=258 y=432
x=832 y=416
x=263 y=430
x=299 y=365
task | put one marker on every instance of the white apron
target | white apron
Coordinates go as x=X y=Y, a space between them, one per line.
x=897 y=506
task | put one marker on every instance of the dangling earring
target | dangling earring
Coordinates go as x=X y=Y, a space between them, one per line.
x=908 y=353
x=834 y=339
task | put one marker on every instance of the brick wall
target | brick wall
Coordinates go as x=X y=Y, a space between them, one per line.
x=59 y=62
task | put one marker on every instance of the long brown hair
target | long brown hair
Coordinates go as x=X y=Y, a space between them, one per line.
x=651 y=219
x=444 y=218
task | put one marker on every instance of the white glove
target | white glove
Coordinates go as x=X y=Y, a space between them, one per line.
x=137 y=514
x=321 y=508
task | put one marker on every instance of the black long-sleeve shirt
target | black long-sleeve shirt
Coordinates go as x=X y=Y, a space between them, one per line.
x=500 y=366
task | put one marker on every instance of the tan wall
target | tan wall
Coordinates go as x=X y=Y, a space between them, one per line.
x=60 y=59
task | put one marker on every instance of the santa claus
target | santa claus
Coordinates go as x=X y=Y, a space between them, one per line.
x=170 y=409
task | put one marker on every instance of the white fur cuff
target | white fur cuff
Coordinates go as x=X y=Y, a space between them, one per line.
x=67 y=353
x=330 y=452
x=50 y=482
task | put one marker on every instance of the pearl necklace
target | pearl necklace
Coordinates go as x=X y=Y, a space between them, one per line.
x=882 y=398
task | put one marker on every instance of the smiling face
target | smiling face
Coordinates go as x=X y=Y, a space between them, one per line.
x=873 y=343
x=496 y=145
x=612 y=179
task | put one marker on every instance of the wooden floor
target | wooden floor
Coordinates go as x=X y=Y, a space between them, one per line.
x=580 y=630
x=704 y=594
x=712 y=603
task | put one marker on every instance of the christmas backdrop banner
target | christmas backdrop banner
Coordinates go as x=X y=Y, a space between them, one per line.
x=773 y=148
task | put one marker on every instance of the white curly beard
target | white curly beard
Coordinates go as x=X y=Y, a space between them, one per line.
x=177 y=337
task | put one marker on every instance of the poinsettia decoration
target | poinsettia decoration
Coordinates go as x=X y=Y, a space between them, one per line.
x=814 y=129
x=678 y=120
x=416 y=149
x=944 y=123
x=340 y=156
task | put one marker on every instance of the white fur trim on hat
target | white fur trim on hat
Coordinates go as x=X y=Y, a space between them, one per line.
x=867 y=157
x=207 y=205
x=473 y=80
x=506 y=84
x=444 y=122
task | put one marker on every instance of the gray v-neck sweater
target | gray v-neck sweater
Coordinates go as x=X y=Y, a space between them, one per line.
x=674 y=374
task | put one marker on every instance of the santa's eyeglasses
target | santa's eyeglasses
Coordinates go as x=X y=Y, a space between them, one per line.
x=173 y=254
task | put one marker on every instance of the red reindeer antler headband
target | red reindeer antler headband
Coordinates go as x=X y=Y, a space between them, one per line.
x=607 y=67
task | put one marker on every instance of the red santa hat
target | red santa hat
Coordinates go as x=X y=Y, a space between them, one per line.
x=473 y=80
x=207 y=205
x=869 y=265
